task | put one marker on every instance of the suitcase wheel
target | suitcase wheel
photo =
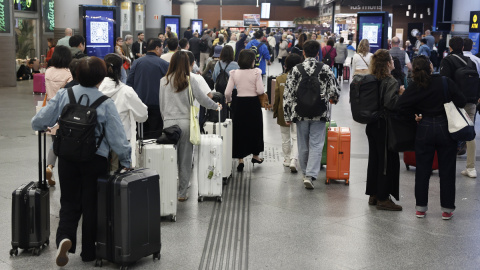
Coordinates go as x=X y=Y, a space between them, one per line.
x=173 y=219
x=347 y=183
x=219 y=199
x=327 y=181
x=36 y=251
x=98 y=263
x=14 y=251
x=200 y=198
x=156 y=256
x=47 y=243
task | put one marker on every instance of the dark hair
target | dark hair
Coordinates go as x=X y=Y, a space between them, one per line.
x=61 y=57
x=397 y=73
x=422 y=71
x=246 y=59
x=342 y=40
x=456 y=43
x=291 y=61
x=183 y=43
x=330 y=42
x=179 y=69
x=221 y=40
x=76 y=40
x=379 y=64
x=301 y=40
x=311 y=48
x=114 y=67
x=467 y=44
x=31 y=61
x=172 y=44
x=139 y=34
x=91 y=71
x=119 y=38
x=154 y=43
x=52 y=41
x=73 y=67
x=227 y=54
x=258 y=34
x=191 y=57
x=160 y=34
x=423 y=40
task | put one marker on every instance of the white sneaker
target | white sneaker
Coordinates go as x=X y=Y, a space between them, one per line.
x=286 y=162
x=62 y=252
x=293 y=165
x=470 y=172
x=307 y=182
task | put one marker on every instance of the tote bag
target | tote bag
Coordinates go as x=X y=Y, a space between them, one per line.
x=194 y=124
x=460 y=125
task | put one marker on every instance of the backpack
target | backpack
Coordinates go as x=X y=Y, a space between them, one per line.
x=310 y=103
x=222 y=79
x=467 y=79
x=365 y=99
x=256 y=50
x=290 y=47
x=75 y=140
x=208 y=78
x=327 y=59
x=212 y=115
x=203 y=46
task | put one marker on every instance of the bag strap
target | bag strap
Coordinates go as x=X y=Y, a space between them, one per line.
x=463 y=61
x=99 y=101
x=190 y=95
x=318 y=68
x=71 y=96
x=302 y=70
x=363 y=59
x=331 y=48
x=445 y=88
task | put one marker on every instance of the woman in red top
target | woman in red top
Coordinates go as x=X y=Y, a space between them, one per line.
x=51 y=47
x=330 y=50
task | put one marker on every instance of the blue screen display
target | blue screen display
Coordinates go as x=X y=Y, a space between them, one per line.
x=197 y=26
x=371 y=28
x=100 y=32
x=174 y=23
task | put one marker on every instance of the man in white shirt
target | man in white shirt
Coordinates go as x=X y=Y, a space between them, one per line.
x=172 y=44
x=467 y=47
x=64 y=41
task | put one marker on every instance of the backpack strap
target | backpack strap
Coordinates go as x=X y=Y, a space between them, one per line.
x=318 y=68
x=459 y=58
x=302 y=70
x=227 y=65
x=99 y=101
x=71 y=96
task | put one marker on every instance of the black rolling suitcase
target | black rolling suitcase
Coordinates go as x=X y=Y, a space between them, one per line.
x=31 y=210
x=128 y=217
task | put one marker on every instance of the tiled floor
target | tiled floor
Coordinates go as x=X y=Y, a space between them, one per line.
x=285 y=225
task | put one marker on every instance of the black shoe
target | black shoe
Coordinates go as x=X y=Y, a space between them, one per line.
x=240 y=167
x=257 y=161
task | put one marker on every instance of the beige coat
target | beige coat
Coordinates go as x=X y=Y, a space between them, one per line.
x=56 y=78
x=278 y=104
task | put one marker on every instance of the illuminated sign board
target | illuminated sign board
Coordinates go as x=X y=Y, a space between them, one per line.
x=474 y=21
x=49 y=15
x=4 y=16
x=25 y=5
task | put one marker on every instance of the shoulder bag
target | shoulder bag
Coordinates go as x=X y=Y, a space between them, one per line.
x=194 y=124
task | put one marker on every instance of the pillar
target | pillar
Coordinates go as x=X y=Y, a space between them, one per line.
x=154 y=9
x=66 y=15
x=461 y=15
x=188 y=11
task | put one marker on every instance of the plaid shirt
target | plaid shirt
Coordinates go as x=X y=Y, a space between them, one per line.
x=330 y=89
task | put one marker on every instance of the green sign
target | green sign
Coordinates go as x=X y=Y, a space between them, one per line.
x=49 y=15
x=4 y=16
x=25 y=5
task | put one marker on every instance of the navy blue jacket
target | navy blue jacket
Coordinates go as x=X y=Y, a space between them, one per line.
x=145 y=75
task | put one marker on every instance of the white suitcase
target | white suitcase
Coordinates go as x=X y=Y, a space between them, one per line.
x=227 y=136
x=209 y=169
x=163 y=159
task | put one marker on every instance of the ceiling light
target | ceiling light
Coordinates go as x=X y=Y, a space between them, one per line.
x=414 y=15
x=408 y=13
x=409 y=7
x=421 y=15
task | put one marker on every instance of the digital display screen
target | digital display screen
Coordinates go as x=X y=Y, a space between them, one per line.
x=371 y=28
x=100 y=33
x=265 y=12
x=25 y=5
x=174 y=23
x=197 y=26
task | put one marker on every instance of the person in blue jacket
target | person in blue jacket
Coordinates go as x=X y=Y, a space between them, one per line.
x=262 y=50
x=144 y=77
x=78 y=180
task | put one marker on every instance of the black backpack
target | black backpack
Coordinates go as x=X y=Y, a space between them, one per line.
x=327 y=59
x=212 y=115
x=203 y=46
x=256 y=50
x=75 y=140
x=365 y=99
x=467 y=79
x=310 y=103
x=222 y=79
x=208 y=78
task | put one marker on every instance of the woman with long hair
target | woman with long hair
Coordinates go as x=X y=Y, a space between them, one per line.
x=247 y=123
x=119 y=50
x=329 y=49
x=298 y=49
x=383 y=171
x=129 y=106
x=361 y=60
x=51 y=47
x=175 y=110
x=425 y=97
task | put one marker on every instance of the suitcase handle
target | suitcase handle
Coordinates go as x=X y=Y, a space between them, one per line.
x=42 y=165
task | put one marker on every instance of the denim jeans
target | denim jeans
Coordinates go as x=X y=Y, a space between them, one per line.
x=310 y=139
x=433 y=135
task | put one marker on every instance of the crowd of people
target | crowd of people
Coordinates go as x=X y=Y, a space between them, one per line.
x=150 y=82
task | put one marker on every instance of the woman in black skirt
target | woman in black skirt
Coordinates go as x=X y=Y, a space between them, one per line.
x=247 y=122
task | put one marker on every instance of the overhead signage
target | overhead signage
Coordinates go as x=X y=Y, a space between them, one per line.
x=4 y=16
x=49 y=15
x=139 y=14
x=231 y=23
x=251 y=19
x=25 y=5
x=474 y=20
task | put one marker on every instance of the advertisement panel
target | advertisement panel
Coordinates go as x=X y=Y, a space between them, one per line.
x=49 y=15
x=251 y=19
x=373 y=27
x=5 y=16
x=125 y=8
x=196 y=25
x=475 y=38
x=139 y=15
x=474 y=18
x=99 y=32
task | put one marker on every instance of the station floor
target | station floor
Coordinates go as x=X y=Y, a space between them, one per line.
x=267 y=220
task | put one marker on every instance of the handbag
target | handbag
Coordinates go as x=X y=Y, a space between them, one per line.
x=402 y=131
x=460 y=125
x=126 y=65
x=194 y=124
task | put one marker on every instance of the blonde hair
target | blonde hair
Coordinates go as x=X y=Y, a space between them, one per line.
x=363 y=47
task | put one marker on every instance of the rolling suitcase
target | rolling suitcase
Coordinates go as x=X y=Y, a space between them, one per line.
x=346 y=73
x=227 y=135
x=163 y=159
x=31 y=210
x=128 y=217
x=272 y=92
x=209 y=169
x=409 y=160
x=331 y=123
x=39 y=83
x=338 y=154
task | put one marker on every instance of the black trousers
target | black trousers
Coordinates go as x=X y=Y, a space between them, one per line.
x=339 y=70
x=78 y=188
x=383 y=171
x=433 y=135
x=152 y=128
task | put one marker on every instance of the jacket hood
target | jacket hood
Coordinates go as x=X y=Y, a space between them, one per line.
x=109 y=88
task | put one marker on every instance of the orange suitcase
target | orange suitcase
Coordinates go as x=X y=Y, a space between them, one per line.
x=338 y=154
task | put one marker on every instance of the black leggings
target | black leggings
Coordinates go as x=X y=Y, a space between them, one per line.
x=339 y=70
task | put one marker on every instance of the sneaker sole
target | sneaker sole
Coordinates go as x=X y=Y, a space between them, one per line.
x=420 y=216
x=62 y=253
x=293 y=169
x=447 y=218
x=308 y=185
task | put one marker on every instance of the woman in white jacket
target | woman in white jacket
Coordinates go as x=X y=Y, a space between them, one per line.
x=129 y=106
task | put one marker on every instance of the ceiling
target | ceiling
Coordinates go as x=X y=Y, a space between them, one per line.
x=301 y=2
